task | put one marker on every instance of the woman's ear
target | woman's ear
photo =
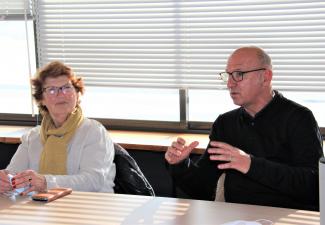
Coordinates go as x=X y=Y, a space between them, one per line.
x=78 y=98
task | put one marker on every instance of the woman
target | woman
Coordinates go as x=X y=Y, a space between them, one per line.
x=67 y=150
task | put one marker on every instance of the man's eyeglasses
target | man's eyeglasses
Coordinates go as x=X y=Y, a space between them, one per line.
x=236 y=75
x=54 y=91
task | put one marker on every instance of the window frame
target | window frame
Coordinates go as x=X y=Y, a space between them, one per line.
x=184 y=125
x=118 y=124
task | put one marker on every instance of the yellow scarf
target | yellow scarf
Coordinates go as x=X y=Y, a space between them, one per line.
x=53 y=158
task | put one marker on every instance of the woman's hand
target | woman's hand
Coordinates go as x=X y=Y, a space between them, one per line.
x=30 y=179
x=4 y=182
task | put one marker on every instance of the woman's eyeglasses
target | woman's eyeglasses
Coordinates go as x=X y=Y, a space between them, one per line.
x=54 y=91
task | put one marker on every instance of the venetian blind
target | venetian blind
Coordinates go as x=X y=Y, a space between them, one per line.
x=181 y=44
x=14 y=9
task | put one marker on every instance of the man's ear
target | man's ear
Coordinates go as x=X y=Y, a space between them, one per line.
x=268 y=74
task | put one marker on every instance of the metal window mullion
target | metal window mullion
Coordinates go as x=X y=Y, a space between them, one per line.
x=183 y=107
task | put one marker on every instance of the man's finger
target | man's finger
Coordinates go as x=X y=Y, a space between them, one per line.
x=220 y=144
x=181 y=140
x=177 y=145
x=224 y=166
x=192 y=146
x=174 y=152
x=171 y=158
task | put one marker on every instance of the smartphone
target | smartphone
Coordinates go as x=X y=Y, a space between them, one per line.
x=51 y=194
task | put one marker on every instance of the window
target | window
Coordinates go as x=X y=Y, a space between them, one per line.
x=17 y=57
x=132 y=103
x=157 y=61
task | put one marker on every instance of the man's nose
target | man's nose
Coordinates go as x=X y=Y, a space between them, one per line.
x=231 y=83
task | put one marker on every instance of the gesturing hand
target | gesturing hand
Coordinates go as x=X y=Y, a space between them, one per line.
x=234 y=157
x=178 y=151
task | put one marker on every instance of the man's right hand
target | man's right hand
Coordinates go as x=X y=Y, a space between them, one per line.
x=178 y=151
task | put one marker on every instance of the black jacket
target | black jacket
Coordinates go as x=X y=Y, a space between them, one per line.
x=129 y=178
x=285 y=145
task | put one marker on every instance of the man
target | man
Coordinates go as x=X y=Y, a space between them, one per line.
x=268 y=148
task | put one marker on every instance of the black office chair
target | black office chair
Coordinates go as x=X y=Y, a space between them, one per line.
x=129 y=178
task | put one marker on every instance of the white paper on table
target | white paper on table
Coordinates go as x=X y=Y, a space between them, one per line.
x=246 y=222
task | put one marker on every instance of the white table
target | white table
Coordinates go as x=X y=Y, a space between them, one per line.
x=104 y=208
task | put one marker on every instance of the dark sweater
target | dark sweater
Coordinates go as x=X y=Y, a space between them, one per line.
x=285 y=145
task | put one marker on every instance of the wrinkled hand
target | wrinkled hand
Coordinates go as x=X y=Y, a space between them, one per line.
x=178 y=151
x=4 y=181
x=234 y=157
x=35 y=181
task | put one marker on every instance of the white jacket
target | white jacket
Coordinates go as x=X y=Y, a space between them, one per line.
x=90 y=157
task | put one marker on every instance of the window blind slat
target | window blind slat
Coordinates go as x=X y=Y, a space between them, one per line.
x=181 y=44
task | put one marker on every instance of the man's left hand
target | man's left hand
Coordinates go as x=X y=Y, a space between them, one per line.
x=233 y=157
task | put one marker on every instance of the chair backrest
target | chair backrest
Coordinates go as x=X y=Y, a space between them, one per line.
x=220 y=192
x=129 y=178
